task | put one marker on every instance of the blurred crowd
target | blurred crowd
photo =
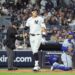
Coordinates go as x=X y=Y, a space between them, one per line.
x=59 y=16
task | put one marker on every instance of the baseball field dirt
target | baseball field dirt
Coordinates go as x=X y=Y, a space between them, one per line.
x=41 y=72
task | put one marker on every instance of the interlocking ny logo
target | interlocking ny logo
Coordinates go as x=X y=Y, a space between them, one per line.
x=36 y=21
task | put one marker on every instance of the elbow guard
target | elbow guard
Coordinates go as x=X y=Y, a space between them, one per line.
x=26 y=28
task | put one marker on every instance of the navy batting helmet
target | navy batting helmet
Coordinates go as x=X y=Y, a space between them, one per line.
x=53 y=58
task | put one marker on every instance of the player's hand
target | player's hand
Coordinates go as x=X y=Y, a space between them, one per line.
x=43 y=30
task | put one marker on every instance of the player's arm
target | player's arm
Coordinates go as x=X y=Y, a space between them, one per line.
x=43 y=27
x=43 y=30
x=27 y=25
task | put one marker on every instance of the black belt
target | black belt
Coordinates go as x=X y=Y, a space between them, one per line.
x=34 y=34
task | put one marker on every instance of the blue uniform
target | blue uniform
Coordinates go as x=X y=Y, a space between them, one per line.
x=65 y=57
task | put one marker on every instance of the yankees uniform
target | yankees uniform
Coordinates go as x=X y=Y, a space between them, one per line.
x=36 y=24
x=66 y=56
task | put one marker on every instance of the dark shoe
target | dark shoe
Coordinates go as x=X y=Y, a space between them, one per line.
x=14 y=68
x=10 y=68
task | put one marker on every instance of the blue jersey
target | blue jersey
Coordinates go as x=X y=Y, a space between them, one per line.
x=67 y=44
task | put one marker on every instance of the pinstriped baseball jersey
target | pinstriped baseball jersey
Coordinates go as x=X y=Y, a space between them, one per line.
x=35 y=24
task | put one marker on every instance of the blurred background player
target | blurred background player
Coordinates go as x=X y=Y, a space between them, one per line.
x=37 y=26
x=66 y=56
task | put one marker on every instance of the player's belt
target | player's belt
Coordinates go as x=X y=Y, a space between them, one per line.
x=34 y=34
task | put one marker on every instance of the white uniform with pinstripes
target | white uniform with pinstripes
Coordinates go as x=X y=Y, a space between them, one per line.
x=35 y=25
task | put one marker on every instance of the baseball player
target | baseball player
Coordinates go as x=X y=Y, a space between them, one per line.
x=37 y=27
x=66 y=56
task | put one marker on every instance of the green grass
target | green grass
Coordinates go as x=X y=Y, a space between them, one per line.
x=38 y=73
x=4 y=71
